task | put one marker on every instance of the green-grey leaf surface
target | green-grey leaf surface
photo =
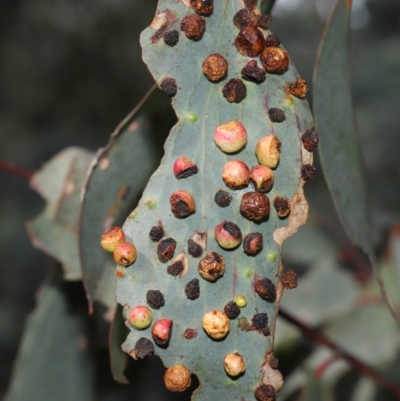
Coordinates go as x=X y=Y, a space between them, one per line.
x=116 y=180
x=193 y=138
x=55 y=230
x=53 y=363
x=334 y=120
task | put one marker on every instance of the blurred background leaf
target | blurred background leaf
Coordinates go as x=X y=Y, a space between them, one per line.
x=55 y=230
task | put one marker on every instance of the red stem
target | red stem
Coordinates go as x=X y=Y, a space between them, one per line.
x=12 y=169
x=319 y=338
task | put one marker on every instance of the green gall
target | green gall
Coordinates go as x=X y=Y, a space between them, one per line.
x=241 y=301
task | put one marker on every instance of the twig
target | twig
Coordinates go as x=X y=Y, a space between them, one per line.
x=319 y=338
x=12 y=169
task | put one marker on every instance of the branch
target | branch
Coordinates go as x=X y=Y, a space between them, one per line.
x=320 y=339
x=12 y=169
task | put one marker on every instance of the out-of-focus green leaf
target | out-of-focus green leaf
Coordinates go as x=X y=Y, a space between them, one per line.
x=53 y=362
x=324 y=293
x=55 y=230
x=200 y=108
x=334 y=120
x=364 y=390
x=118 y=358
x=369 y=333
x=116 y=180
x=308 y=246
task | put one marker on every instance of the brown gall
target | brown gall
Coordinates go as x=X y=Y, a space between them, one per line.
x=282 y=206
x=202 y=7
x=234 y=91
x=250 y=41
x=255 y=206
x=215 y=67
x=299 y=88
x=212 y=266
x=274 y=60
x=182 y=204
x=253 y=243
x=193 y=26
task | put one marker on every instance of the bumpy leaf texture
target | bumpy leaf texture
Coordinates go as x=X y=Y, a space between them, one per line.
x=201 y=107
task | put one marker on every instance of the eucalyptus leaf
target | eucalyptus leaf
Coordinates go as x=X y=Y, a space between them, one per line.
x=338 y=150
x=201 y=107
x=55 y=230
x=54 y=361
x=334 y=120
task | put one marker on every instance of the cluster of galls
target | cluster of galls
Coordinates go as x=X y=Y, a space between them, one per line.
x=193 y=26
x=114 y=241
x=231 y=137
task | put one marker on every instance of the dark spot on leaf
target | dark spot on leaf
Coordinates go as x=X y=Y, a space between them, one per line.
x=156 y=233
x=253 y=243
x=166 y=26
x=276 y=115
x=231 y=310
x=168 y=85
x=273 y=362
x=288 y=279
x=282 y=206
x=171 y=38
x=265 y=392
x=175 y=269
x=194 y=249
x=253 y=72
x=266 y=331
x=234 y=91
x=192 y=289
x=155 y=299
x=234 y=230
x=272 y=41
x=182 y=204
x=264 y=21
x=143 y=347
x=223 y=198
x=265 y=288
x=308 y=171
x=166 y=249
x=189 y=334
x=310 y=140
x=260 y=321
